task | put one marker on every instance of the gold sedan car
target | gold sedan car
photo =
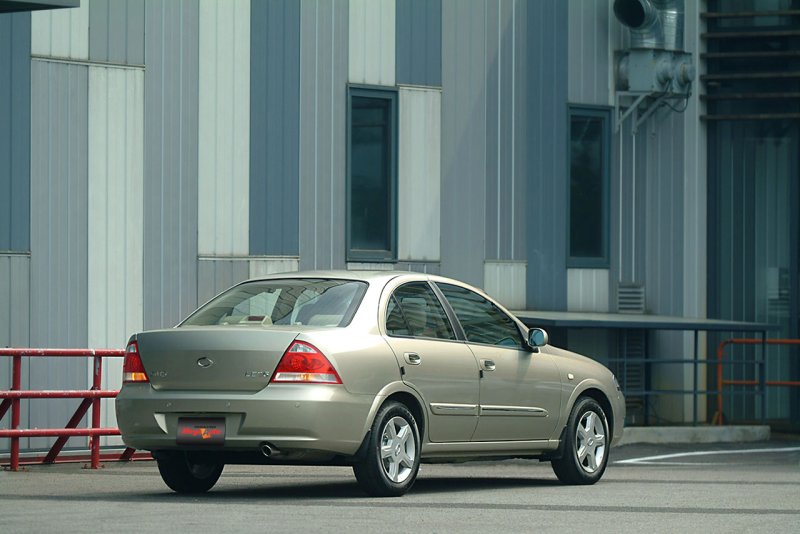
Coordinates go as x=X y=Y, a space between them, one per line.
x=375 y=370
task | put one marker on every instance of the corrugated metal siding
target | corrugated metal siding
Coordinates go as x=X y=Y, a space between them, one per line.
x=14 y=318
x=224 y=128
x=265 y=266
x=170 y=155
x=506 y=35
x=274 y=127
x=15 y=131
x=419 y=174
x=695 y=188
x=116 y=160
x=62 y=33
x=547 y=159
x=663 y=218
x=116 y=31
x=587 y=290
x=419 y=42
x=463 y=140
x=116 y=126
x=214 y=276
x=506 y=281
x=59 y=231
x=372 y=42
x=590 y=53
x=323 y=81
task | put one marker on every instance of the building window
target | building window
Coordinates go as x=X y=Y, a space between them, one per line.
x=589 y=150
x=372 y=175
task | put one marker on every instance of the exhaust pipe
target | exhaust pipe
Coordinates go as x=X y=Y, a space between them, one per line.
x=652 y=23
x=266 y=450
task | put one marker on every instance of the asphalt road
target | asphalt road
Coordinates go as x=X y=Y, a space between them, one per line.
x=714 y=488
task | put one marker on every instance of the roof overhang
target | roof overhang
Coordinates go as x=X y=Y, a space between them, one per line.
x=8 y=6
x=550 y=319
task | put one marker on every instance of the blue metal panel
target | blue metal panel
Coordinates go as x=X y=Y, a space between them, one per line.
x=274 y=127
x=547 y=160
x=418 y=46
x=15 y=131
x=116 y=31
x=170 y=161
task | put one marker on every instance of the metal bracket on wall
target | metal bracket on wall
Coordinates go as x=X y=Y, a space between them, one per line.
x=639 y=116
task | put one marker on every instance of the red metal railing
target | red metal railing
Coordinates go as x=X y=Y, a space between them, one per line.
x=719 y=417
x=91 y=398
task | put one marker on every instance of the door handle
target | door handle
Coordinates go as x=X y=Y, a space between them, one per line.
x=487 y=365
x=412 y=358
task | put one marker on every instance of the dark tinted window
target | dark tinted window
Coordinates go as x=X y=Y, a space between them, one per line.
x=314 y=302
x=372 y=174
x=482 y=321
x=415 y=311
x=588 y=189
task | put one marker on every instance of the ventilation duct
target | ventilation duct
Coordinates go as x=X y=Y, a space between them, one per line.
x=655 y=62
x=653 y=23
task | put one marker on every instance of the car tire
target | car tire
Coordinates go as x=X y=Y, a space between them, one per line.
x=391 y=458
x=184 y=476
x=586 y=445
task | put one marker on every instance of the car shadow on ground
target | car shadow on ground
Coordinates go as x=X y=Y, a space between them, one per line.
x=350 y=490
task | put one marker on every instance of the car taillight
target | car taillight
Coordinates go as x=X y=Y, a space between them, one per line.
x=132 y=368
x=303 y=362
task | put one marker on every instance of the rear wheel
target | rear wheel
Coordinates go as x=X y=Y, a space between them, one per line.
x=391 y=461
x=585 y=444
x=183 y=475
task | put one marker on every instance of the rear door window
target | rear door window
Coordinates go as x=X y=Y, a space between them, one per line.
x=414 y=311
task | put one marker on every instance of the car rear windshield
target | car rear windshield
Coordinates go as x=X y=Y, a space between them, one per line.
x=299 y=301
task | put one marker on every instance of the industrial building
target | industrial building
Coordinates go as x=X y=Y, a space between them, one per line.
x=155 y=152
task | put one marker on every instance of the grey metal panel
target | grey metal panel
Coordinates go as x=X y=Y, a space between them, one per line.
x=214 y=276
x=15 y=131
x=547 y=160
x=14 y=315
x=463 y=140
x=521 y=202
x=590 y=74
x=323 y=87
x=116 y=31
x=170 y=159
x=418 y=47
x=274 y=127
x=663 y=216
x=59 y=229
x=502 y=43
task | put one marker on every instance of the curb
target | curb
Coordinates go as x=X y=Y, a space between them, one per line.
x=694 y=434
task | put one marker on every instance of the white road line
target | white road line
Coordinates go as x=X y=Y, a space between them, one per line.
x=655 y=459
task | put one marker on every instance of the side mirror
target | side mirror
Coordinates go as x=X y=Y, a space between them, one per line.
x=537 y=337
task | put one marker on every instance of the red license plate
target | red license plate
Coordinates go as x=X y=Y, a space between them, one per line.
x=201 y=431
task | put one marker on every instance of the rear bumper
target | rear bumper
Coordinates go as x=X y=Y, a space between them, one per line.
x=291 y=418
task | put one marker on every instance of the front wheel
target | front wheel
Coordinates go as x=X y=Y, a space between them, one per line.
x=586 y=444
x=183 y=475
x=391 y=462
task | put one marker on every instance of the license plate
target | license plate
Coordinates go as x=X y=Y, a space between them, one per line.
x=201 y=431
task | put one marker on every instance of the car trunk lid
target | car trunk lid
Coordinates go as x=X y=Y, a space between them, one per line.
x=213 y=358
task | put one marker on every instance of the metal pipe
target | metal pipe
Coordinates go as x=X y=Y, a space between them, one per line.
x=266 y=450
